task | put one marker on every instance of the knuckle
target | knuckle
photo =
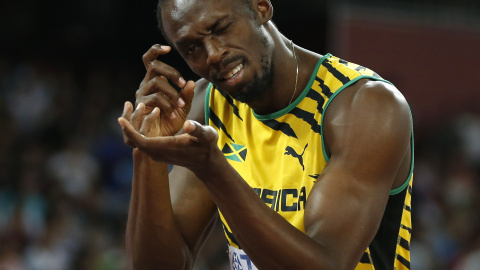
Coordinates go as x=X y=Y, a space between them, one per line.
x=167 y=107
x=159 y=98
x=145 y=79
x=148 y=101
x=138 y=93
x=176 y=74
x=211 y=133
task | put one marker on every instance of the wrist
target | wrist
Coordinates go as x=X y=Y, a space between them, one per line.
x=141 y=157
x=148 y=170
x=213 y=168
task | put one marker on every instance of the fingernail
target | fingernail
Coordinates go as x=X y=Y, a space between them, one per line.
x=182 y=81
x=173 y=116
x=181 y=103
x=125 y=106
x=163 y=47
x=138 y=106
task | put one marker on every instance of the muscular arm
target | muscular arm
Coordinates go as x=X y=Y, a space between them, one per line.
x=367 y=129
x=368 y=133
x=170 y=216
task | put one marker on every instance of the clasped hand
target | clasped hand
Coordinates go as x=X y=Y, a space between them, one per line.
x=154 y=127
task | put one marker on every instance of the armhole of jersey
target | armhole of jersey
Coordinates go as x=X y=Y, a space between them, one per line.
x=327 y=158
x=207 y=104
x=410 y=174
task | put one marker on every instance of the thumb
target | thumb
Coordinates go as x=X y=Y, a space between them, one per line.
x=203 y=134
x=136 y=138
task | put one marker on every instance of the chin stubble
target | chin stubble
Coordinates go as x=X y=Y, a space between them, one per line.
x=259 y=85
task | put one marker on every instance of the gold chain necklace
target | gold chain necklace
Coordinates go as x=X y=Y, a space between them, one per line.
x=296 y=77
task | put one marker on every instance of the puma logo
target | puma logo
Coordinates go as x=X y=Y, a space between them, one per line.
x=289 y=151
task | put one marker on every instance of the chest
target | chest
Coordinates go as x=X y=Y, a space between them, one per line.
x=280 y=158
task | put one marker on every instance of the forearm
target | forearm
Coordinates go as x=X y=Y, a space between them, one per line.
x=268 y=239
x=152 y=236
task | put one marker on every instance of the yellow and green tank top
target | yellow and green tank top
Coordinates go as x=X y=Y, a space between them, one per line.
x=281 y=155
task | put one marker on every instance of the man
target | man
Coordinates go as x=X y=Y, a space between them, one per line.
x=307 y=158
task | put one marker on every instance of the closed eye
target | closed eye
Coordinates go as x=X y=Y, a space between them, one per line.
x=223 y=28
x=193 y=48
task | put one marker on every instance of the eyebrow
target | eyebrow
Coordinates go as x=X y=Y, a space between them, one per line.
x=218 y=22
x=186 y=40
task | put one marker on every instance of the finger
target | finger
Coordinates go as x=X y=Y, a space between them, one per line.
x=203 y=134
x=152 y=54
x=126 y=140
x=160 y=69
x=187 y=93
x=127 y=110
x=127 y=114
x=137 y=116
x=148 y=122
x=149 y=76
x=157 y=100
x=137 y=139
x=158 y=85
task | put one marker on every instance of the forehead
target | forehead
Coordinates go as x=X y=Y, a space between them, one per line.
x=181 y=16
x=179 y=9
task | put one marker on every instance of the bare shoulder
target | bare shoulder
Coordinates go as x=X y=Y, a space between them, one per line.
x=367 y=97
x=197 y=112
x=385 y=101
x=373 y=109
x=382 y=91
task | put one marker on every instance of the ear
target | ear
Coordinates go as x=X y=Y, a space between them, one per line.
x=264 y=10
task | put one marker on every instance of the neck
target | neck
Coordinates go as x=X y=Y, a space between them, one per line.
x=282 y=90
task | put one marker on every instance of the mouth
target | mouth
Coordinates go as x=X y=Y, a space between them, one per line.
x=232 y=75
x=230 y=68
x=233 y=72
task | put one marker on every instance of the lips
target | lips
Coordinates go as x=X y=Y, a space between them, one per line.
x=229 y=68
x=231 y=75
x=233 y=72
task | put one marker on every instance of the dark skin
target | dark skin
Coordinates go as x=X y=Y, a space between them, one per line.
x=366 y=128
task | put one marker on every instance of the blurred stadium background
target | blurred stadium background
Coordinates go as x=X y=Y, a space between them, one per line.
x=66 y=67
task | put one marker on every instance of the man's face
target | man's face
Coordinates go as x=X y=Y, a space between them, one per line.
x=223 y=42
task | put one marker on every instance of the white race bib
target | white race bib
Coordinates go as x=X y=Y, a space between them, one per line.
x=239 y=260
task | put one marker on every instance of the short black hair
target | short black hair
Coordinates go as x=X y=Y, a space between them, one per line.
x=161 y=4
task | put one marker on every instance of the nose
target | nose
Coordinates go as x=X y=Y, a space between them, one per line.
x=215 y=50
